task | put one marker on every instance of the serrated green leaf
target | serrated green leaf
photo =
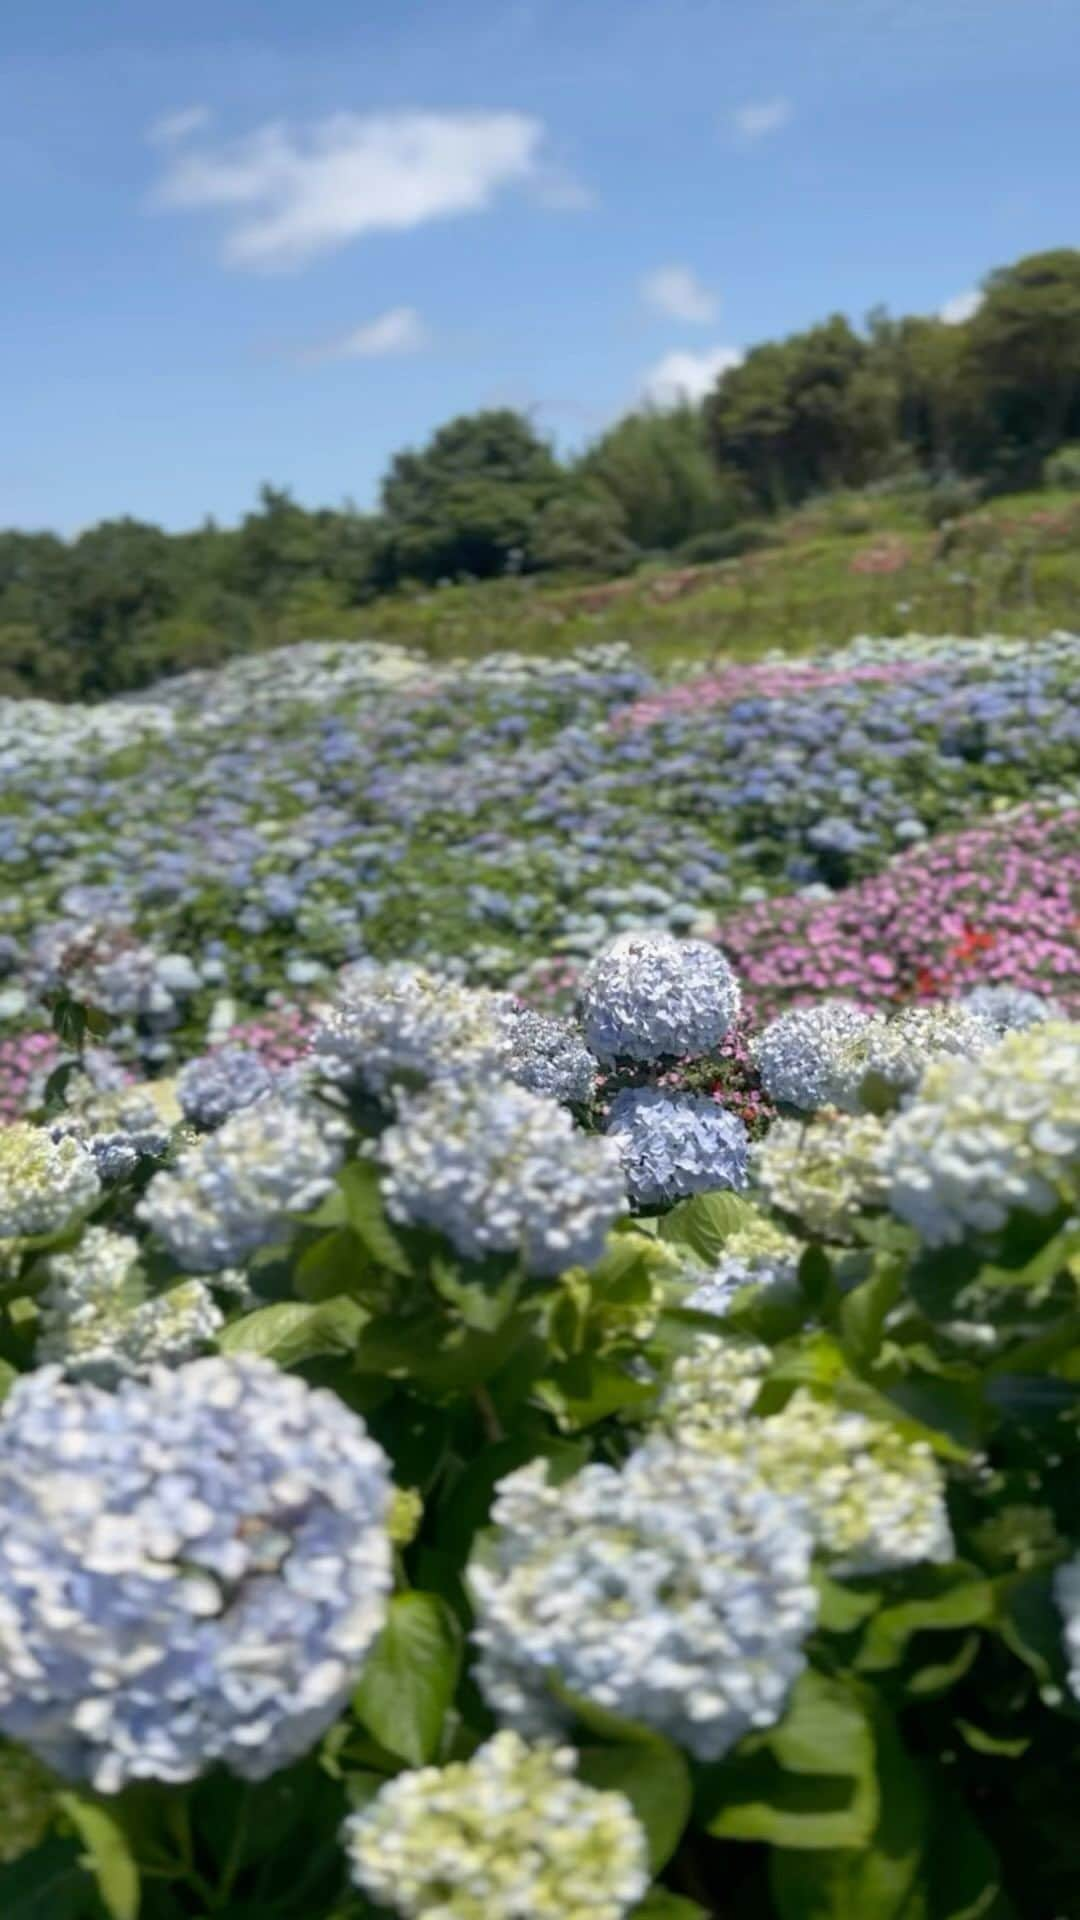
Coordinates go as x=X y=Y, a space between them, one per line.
x=292 y=1331
x=705 y=1222
x=107 y=1854
x=410 y=1676
x=655 y=1779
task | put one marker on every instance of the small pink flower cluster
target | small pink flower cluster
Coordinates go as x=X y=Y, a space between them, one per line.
x=999 y=902
x=280 y=1035
x=26 y=1061
x=763 y=681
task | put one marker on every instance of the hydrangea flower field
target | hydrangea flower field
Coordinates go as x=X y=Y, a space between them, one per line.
x=540 y=1266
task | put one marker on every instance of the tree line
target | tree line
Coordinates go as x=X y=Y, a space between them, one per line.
x=985 y=406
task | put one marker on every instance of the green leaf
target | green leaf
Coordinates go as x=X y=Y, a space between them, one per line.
x=410 y=1677
x=842 y=1608
x=333 y=1264
x=865 y=1310
x=945 y=1599
x=808 y=1783
x=107 y=1854
x=662 y=1904
x=364 y=1210
x=963 y=1872
x=1031 y=1626
x=816 y=1282
x=48 y=1884
x=655 y=1779
x=8 y=1377
x=69 y=1021
x=875 y=1882
x=706 y=1222
x=292 y=1330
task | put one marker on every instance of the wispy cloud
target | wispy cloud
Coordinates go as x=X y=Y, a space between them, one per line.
x=292 y=195
x=757 y=119
x=677 y=292
x=398 y=331
x=170 y=128
x=682 y=376
x=962 y=306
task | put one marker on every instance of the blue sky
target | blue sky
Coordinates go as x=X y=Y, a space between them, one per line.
x=277 y=240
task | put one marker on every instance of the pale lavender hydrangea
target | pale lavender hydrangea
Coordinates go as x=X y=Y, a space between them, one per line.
x=674 y=1591
x=399 y=1025
x=673 y=1145
x=650 y=996
x=218 y=1084
x=235 y=1190
x=191 y=1570
x=1010 y=1009
x=547 y=1056
x=500 y=1170
x=799 y=1055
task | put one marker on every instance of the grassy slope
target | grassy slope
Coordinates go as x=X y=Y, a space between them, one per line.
x=1013 y=568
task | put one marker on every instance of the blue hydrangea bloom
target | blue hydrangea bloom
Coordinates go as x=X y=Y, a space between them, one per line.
x=500 y=1170
x=214 y=1085
x=673 y=1145
x=649 y=996
x=192 y=1569
x=1011 y=1009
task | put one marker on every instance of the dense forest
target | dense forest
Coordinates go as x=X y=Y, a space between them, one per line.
x=952 y=412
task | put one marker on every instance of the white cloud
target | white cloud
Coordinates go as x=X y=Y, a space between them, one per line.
x=758 y=118
x=677 y=292
x=681 y=376
x=171 y=128
x=295 y=195
x=400 y=330
x=962 y=306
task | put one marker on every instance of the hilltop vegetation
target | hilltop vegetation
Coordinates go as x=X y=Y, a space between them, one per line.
x=808 y=492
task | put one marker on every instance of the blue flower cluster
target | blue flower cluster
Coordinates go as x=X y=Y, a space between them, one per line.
x=191 y=1570
x=673 y=1145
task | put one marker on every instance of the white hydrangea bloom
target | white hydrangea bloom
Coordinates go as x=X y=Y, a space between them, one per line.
x=45 y=1184
x=674 y=1591
x=400 y=1025
x=990 y=1137
x=97 y=1325
x=500 y=1170
x=191 y=1569
x=824 y=1172
x=649 y=996
x=897 y=1052
x=233 y=1191
x=873 y=1498
x=800 y=1055
x=508 y=1835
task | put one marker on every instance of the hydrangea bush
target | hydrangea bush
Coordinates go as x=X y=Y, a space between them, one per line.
x=462 y=1460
